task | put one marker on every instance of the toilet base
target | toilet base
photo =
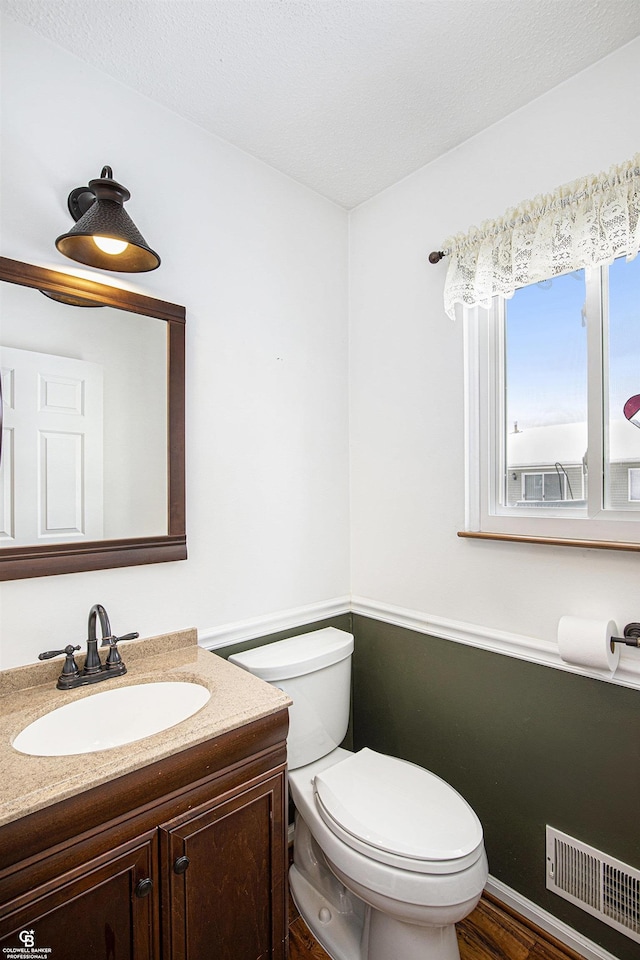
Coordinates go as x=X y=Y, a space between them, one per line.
x=336 y=928
x=370 y=935
x=387 y=939
x=347 y=927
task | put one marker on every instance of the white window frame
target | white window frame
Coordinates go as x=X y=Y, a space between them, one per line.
x=485 y=441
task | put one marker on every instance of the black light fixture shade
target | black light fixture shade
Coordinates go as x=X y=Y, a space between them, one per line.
x=101 y=218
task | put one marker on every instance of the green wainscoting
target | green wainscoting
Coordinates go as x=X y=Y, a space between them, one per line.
x=525 y=744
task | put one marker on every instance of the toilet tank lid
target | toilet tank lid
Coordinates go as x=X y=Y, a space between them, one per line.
x=297 y=655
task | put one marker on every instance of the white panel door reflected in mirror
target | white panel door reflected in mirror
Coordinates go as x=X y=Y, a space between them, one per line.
x=114 y=469
x=51 y=474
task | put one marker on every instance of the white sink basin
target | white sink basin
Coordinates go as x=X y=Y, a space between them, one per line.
x=111 y=719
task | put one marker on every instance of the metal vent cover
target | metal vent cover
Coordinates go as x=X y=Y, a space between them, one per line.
x=600 y=884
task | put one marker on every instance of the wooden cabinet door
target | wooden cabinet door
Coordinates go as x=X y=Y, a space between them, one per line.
x=99 y=911
x=229 y=903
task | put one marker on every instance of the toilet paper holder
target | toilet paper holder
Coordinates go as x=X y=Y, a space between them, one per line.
x=631 y=636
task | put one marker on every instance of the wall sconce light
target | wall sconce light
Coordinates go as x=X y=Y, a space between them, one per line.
x=105 y=236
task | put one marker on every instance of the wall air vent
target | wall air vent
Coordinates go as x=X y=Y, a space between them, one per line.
x=600 y=884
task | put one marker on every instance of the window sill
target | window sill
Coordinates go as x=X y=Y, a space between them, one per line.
x=553 y=541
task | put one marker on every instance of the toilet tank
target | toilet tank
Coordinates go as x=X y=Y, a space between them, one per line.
x=314 y=669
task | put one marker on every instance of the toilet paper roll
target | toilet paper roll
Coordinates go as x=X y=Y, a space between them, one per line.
x=587 y=643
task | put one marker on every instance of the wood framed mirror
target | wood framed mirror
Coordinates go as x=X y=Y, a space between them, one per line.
x=92 y=470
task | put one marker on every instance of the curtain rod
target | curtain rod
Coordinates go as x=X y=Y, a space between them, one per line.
x=437 y=255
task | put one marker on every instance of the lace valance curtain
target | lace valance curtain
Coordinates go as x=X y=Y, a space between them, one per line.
x=585 y=223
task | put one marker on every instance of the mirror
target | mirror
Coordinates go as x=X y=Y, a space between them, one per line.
x=92 y=471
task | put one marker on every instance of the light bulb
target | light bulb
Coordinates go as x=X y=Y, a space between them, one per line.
x=109 y=245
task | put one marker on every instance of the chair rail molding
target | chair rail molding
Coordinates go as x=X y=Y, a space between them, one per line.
x=515 y=645
x=542 y=652
x=213 y=638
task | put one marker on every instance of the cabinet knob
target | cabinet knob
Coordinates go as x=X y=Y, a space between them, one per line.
x=181 y=865
x=144 y=887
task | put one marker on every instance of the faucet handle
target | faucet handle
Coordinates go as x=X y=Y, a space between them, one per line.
x=68 y=651
x=111 y=641
x=114 y=660
x=70 y=669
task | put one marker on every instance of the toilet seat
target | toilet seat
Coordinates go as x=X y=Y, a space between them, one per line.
x=398 y=813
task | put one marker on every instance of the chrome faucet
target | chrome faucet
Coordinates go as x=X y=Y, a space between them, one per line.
x=94 y=670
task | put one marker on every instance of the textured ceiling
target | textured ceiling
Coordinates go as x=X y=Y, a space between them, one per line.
x=345 y=96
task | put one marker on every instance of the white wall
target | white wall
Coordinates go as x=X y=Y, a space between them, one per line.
x=261 y=265
x=407 y=373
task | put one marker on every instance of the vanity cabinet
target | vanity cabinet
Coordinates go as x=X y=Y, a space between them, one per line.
x=184 y=859
x=86 y=912
x=221 y=877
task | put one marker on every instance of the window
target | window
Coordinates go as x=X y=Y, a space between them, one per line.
x=551 y=453
x=543 y=487
x=634 y=483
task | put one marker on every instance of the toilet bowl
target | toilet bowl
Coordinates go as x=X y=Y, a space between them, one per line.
x=401 y=888
x=387 y=856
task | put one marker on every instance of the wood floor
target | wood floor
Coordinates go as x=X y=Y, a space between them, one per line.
x=491 y=932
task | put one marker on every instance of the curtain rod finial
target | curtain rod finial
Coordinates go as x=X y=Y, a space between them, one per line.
x=436 y=256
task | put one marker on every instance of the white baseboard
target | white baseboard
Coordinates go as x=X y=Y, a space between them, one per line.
x=215 y=637
x=547 y=922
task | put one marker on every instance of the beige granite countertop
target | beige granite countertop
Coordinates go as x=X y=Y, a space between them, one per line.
x=30 y=783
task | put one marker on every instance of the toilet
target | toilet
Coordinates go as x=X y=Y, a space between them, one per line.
x=387 y=856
